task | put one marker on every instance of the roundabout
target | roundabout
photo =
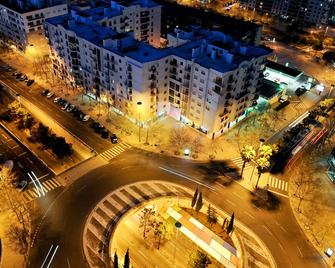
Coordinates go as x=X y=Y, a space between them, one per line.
x=113 y=226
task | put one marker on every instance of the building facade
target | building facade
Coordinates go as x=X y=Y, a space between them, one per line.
x=207 y=81
x=17 y=21
x=314 y=12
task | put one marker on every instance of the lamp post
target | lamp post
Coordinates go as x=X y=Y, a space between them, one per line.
x=139 y=103
x=261 y=141
x=178 y=225
x=330 y=91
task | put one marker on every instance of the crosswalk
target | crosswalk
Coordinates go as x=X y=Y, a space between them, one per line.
x=238 y=161
x=115 y=151
x=276 y=183
x=106 y=214
x=48 y=186
x=273 y=182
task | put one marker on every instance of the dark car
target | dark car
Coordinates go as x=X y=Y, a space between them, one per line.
x=18 y=75
x=94 y=125
x=113 y=138
x=99 y=129
x=45 y=92
x=30 y=82
x=105 y=134
x=300 y=91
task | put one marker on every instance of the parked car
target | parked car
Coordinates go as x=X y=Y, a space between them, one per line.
x=65 y=106
x=24 y=78
x=105 y=134
x=15 y=73
x=45 y=92
x=30 y=82
x=22 y=185
x=61 y=102
x=113 y=138
x=94 y=125
x=86 y=118
x=50 y=94
x=80 y=116
x=300 y=91
x=56 y=100
x=99 y=129
x=70 y=108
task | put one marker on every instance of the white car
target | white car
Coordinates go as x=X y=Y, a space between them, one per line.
x=50 y=94
x=56 y=99
x=65 y=106
x=86 y=118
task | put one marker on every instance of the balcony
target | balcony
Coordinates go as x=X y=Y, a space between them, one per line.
x=186 y=84
x=187 y=76
x=152 y=85
x=218 y=81
x=152 y=77
x=225 y=112
x=242 y=94
x=173 y=63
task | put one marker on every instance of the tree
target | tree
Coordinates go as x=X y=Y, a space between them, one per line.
x=194 y=199
x=13 y=202
x=126 y=263
x=329 y=56
x=179 y=138
x=116 y=261
x=199 y=203
x=196 y=145
x=199 y=259
x=158 y=233
x=248 y=153
x=146 y=219
x=263 y=165
x=211 y=215
x=230 y=227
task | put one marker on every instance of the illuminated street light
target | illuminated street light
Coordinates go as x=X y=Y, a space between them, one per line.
x=139 y=103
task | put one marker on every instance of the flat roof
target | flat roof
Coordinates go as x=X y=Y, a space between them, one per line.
x=142 y=3
x=283 y=69
x=27 y=8
x=269 y=89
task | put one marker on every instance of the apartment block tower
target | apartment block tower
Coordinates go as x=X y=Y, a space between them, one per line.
x=20 y=18
x=204 y=78
x=315 y=12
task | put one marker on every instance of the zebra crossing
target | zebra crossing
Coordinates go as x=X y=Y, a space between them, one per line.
x=115 y=151
x=282 y=185
x=238 y=161
x=109 y=210
x=48 y=186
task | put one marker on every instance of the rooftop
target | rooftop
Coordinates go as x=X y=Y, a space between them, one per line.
x=142 y=3
x=99 y=13
x=283 y=69
x=28 y=7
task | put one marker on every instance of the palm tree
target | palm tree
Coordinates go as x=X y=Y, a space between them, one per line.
x=263 y=165
x=248 y=153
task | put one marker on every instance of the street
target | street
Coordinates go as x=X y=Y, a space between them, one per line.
x=65 y=218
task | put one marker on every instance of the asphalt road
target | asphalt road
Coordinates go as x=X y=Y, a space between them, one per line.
x=24 y=160
x=65 y=218
x=78 y=128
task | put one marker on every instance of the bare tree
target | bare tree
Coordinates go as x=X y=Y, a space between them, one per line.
x=13 y=202
x=179 y=138
x=147 y=220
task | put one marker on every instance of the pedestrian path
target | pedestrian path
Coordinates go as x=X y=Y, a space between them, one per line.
x=106 y=214
x=238 y=161
x=48 y=186
x=275 y=183
x=115 y=151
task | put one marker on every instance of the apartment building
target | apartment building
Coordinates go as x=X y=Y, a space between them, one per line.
x=206 y=79
x=314 y=12
x=140 y=17
x=18 y=20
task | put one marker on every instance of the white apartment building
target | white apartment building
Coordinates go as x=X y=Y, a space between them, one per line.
x=303 y=11
x=17 y=22
x=208 y=81
x=141 y=17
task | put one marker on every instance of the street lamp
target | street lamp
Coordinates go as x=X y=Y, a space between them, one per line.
x=178 y=226
x=139 y=103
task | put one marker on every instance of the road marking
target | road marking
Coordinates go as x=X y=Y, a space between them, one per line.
x=300 y=252
x=22 y=153
x=266 y=228
x=142 y=254
x=281 y=227
x=4 y=136
x=230 y=202
x=237 y=195
x=46 y=257
x=186 y=177
x=127 y=167
x=14 y=146
x=247 y=213
x=52 y=257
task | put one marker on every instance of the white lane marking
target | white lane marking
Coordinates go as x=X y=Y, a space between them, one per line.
x=52 y=257
x=266 y=228
x=4 y=136
x=247 y=213
x=186 y=177
x=43 y=176
x=22 y=153
x=230 y=202
x=39 y=183
x=281 y=227
x=14 y=147
x=237 y=195
x=127 y=167
x=300 y=252
x=46 y=257
x=37 y=189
